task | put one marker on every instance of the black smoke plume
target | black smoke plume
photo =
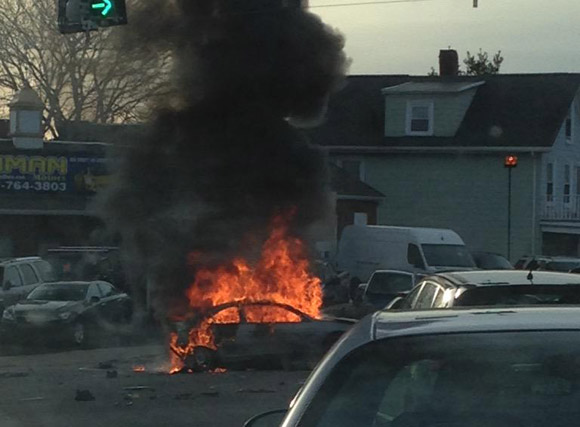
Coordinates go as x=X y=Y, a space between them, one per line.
x=215 y=168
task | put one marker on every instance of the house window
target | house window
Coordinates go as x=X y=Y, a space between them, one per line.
x=354 y=168
x=569 y=127
x=550 y=182
x=420 y=118
x=566 y=183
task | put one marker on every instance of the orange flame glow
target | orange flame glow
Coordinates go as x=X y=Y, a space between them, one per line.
x=281 y=275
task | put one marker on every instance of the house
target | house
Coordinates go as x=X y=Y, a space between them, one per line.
x=435 y=147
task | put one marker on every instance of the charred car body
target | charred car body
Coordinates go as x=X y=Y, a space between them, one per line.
x=243 y=337
x=73 y=312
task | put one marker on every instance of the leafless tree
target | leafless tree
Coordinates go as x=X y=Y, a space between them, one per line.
x=78 y=76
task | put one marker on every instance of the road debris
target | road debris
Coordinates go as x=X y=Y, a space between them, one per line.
x=84 y=396
x=32 y=399
x=112 y=374
x=139 y=388
x=106 y=365
x=255 y=390
x=210 y=393
x=13 y=374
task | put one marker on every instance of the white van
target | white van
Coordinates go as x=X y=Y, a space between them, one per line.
x=365 y=248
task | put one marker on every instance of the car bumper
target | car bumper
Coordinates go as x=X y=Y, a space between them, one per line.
x=55 y=330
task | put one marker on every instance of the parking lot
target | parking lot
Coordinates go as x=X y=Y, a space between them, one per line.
x=108 y=386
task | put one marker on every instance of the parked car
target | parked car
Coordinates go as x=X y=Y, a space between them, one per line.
x=386 y=285
x=247 y=343
x=335 y=284
x=493 y=287
x=548 y=263
x=469 y=368
x=491 y=261
x=365 y=249
x=19 y=276
x=74 y=312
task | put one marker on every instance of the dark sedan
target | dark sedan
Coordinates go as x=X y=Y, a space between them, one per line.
x=74 y=312
x=249 y=342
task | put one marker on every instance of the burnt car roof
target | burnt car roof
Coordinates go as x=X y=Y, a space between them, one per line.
x=456 y=320
x=507 y=277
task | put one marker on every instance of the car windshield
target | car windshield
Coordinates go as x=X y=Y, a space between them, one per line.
x=447 y=256
x=491 y=262
x=389 y=283
x=528 y=378
x=563 y=266
x=520 y=295
x=60 y=292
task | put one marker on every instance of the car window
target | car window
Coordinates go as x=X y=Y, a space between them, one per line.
x=414 y=256
x=438 y=301
x=12 y=275
x=426 y=296
x=410 y=299
x=28 y=274
x=45 y=270
x=447 y=255
x=93 y=291
x=107 y=289
x=437 y=381
x=389 y=283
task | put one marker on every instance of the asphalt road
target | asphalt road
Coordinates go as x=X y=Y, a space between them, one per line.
x=40 y=390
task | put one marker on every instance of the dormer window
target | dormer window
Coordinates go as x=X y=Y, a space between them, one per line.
x=419 y=118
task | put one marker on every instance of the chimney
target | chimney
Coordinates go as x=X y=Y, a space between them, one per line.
x=448 y=63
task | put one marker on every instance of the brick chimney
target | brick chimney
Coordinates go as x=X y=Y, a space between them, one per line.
x=448 y=63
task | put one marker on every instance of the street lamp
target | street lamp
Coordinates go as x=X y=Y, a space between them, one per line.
x=509 y=163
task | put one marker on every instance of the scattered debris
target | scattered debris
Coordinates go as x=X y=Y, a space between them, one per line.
x=112 y=374
x=13 y=374
x=106 y=365
x=139 y=368
x=84 y=396
x=138 y=388
x=210 y=393
x=184 y=396
x=256 y=390
x=32 y=399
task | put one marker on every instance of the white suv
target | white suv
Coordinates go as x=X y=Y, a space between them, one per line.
x=19 y=276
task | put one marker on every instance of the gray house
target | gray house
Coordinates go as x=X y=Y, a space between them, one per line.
x=435 y=147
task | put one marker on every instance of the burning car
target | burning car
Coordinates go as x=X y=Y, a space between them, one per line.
x=255 y=334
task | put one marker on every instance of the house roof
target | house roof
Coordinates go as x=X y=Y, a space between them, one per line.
x=509 y=110
x=349 y=187
x=431 y=87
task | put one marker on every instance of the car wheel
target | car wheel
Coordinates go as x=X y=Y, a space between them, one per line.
x=202 y=359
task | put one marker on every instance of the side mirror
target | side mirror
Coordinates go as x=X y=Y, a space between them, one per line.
x=94 y=300
x=7 y=285
x=267 y=419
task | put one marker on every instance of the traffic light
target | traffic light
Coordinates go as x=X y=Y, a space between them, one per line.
x=88 y=15
x=510 y=161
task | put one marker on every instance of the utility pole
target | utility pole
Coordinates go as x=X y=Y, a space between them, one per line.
x=510 y=162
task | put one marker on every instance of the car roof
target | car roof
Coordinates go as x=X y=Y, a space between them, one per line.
x=72 y=283
x=508 y=277
x=390 y=324
x=6 y=261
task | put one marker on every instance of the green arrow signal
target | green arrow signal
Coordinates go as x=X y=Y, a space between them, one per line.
x=106 y=5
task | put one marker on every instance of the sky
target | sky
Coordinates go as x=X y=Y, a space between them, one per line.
x=534 y=36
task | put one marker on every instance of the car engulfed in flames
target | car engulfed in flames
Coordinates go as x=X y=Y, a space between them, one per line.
x=240 y=313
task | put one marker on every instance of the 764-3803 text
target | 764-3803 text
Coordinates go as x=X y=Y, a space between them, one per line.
x=33 y=186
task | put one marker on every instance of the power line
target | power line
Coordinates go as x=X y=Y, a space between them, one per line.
x=366 y=3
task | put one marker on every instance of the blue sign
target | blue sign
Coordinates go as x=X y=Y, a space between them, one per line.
x=52 y=173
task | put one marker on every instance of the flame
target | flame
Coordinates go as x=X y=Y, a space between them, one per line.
x=282 y=276
x=139 y=368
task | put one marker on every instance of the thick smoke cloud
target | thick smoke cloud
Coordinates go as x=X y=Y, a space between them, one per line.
x=215 y=168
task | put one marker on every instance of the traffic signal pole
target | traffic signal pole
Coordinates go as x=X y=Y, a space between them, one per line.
x=509 y=213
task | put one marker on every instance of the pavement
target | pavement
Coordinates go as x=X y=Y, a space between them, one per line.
x=100 y=387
